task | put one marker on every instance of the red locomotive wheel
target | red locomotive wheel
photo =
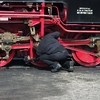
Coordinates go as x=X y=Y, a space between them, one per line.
x=5 y=62
x=85 y=59
x=39 y=64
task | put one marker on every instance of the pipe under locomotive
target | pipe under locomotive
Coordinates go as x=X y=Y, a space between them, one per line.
x=77 y=21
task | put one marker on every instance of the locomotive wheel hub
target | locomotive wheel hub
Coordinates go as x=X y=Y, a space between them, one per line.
x=7 y=38
x=95 y=42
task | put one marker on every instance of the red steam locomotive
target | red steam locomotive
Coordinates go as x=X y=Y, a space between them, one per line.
x=78 y=21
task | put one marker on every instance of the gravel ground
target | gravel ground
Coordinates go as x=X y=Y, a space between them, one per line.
x=21 y=82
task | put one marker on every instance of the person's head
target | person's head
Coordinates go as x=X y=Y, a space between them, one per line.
x=36 y=44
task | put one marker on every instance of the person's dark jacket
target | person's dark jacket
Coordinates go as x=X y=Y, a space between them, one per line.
x=49 y=44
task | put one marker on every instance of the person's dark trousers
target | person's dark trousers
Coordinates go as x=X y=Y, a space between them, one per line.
x=52 y=59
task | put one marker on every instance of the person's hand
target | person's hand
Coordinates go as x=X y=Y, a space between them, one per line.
x=27 y=59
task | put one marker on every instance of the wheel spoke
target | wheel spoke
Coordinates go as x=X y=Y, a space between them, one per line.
x=5 y=62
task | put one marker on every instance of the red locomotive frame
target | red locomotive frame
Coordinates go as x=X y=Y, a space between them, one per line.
x=20 y=21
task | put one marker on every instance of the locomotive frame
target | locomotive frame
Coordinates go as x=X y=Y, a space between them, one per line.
x=79 y=25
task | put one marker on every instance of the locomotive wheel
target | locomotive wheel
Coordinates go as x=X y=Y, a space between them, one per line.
x=39 y=64
x=5 y=62
x=85 y=59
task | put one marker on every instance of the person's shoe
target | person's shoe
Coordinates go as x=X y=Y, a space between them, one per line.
x=69 y=66
x=57 y=68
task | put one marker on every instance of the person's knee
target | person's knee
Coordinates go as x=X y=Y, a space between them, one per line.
x=42 y=58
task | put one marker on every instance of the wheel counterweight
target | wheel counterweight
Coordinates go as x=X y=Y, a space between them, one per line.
x=85 y=59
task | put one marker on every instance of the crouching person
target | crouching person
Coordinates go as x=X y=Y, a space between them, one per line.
x=50 y=51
